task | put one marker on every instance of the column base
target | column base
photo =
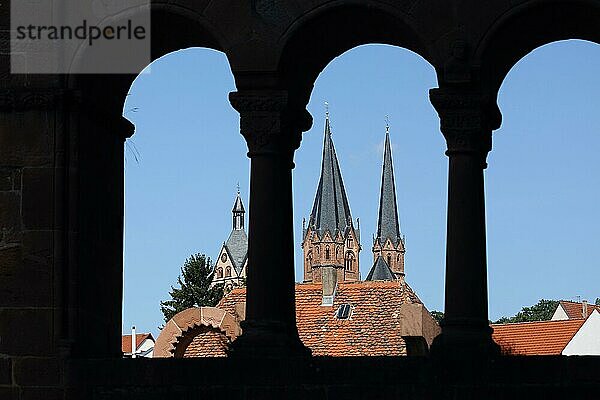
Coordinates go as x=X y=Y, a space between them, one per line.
x=462 y=339
x=268 y=339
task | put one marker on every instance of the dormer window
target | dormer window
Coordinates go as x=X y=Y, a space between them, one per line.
x=344 y=311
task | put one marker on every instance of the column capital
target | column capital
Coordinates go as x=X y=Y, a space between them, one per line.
x=467 y=119
x=268 y=123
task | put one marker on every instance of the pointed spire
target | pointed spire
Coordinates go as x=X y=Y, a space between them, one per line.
x=330 y=210
x=238 y=206
x=380 y=271
x=238 y=212
x=388 y=226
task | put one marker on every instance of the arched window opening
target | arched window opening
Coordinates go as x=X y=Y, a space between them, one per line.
x=176 y=112
x=544 y=163
x=227 y=271
x=327 y=255
x=415 y=140
x=349 y=260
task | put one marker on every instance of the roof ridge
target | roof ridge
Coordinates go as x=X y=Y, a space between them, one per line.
x=538 y=322
x=579 y=302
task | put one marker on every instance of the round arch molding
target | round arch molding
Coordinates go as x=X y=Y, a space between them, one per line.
x=524 y=28
x=173 y=28
x=321 y=35
x=173 y=335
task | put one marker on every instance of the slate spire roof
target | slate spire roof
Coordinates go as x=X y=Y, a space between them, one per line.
x=381 y=271
x=238 y=206
x=237 y=243
x=330 y=210
x=388 y=226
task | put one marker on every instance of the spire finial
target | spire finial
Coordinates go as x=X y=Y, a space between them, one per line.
x=238 y=188
x=387 y=124
x=327 y=110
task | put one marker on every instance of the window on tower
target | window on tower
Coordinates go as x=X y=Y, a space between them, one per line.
x=327 y=255
x=349 y=261
x=228 y=271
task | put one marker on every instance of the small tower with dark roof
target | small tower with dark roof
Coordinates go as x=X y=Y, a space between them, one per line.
x=232 y=261
x=330 y=239
x=388 y=244
x=238 y=212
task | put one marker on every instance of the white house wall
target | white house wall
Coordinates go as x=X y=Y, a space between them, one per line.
x=559 y=314
x=587 y=339
x=146 y=345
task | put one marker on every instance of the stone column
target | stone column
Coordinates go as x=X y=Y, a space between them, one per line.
x=467 y=121
x=273 y=132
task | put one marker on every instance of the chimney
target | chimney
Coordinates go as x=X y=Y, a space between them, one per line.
x=329 y=279
x=584 y=307
x=133 y=342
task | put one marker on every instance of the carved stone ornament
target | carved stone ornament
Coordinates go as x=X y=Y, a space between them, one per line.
x=32 y=99
x=272 y=11
x=266 y=122
x=465 y=120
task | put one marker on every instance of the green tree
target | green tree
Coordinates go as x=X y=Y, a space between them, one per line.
x=541 y=311
x=437 y=315
x=194 y=287
x=597 y=301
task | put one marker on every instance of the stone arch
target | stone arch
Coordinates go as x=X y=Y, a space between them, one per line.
x=524 y=28
x=193 y=30
x=97 y=132
x=337 y=21
x=176 y=335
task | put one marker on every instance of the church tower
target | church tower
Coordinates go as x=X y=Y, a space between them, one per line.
x=388 y=245
x=330 y=239
x=232 y=262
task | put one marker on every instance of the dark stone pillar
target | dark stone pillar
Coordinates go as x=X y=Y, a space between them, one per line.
x=467 y=121
x=273 y=132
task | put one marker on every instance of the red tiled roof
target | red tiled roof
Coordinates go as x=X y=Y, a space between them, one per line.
x=139 y=339
x=574 y=309
x=374 y=326
x=536 y=338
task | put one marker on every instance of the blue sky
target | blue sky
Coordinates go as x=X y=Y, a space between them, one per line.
x=542 y=184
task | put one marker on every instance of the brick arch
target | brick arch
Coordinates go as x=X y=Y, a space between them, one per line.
x=181 y=329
